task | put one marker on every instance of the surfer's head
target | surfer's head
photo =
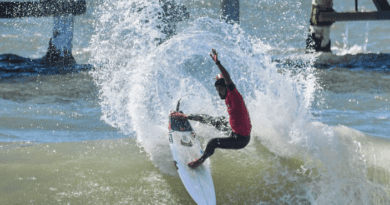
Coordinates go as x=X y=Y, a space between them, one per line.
x=220 y=86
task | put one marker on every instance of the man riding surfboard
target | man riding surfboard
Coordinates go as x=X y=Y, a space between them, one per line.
x=240 y=124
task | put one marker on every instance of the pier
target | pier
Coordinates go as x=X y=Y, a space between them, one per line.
x=64 y=12
x=323 y=16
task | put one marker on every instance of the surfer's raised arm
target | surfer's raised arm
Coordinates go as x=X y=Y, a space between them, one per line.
x=225 y=74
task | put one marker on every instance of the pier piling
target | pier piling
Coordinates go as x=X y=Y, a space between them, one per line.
x=323 y=16
x=319 y=32
x=60 y=46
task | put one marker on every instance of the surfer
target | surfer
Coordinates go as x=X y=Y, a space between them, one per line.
x=240 y=124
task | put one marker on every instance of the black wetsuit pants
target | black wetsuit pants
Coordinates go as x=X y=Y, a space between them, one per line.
x=234 y=141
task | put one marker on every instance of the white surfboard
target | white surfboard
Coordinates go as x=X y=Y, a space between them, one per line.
x=186 y=148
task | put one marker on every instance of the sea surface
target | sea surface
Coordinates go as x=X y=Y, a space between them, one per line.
x=321 y=123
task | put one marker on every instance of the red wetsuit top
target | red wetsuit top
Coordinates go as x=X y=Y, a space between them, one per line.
x=239 y=116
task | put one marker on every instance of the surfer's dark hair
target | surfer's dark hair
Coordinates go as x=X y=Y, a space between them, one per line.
x=220 y=82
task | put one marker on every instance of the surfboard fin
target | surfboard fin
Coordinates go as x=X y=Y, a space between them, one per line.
x=176 y=165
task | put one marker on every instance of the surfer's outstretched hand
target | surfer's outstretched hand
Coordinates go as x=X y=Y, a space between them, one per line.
x=214 y=55
x=194 y=117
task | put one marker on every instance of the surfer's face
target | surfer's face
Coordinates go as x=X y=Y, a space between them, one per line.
x=221 y=91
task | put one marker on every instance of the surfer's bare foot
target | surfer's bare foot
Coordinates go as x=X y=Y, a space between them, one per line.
x=196 y=163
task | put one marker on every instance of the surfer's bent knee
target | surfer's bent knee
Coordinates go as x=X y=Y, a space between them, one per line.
x=242 y=140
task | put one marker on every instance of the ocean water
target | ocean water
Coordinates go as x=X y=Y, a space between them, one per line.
x=321 y=124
